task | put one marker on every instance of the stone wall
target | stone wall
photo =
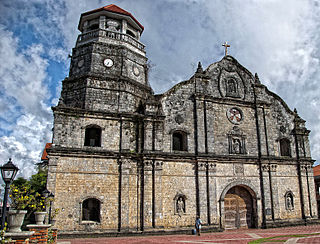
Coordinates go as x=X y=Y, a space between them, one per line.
x=233 y=127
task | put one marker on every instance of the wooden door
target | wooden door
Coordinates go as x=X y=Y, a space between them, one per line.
x=238 y=207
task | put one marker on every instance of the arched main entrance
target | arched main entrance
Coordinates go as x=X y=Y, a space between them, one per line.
x=239 y=208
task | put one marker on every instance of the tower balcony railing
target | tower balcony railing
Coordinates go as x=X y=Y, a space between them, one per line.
x=100 y=33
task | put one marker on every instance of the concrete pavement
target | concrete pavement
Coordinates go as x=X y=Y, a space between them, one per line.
x=299 y=234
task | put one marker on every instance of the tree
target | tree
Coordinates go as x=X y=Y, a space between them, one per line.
x=20 y=182
x=38 y=181
x=35 y=186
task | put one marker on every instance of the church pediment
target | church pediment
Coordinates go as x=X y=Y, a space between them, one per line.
x=224 y=79
x=230 y=78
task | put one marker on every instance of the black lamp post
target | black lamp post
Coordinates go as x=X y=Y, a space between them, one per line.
x=8 y=172
x=51 y=196
x=48 y=194
x=45 y=193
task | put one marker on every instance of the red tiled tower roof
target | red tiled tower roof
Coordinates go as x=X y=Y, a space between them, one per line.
x=316 y=170
x=115 y=9
x=45 y=154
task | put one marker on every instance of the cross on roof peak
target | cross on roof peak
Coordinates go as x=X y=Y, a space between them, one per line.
x=226 y=45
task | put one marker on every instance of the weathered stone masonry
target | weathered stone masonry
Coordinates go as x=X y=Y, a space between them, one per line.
x=219 y=145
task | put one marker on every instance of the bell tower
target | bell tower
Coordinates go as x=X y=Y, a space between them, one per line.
x=108 y=70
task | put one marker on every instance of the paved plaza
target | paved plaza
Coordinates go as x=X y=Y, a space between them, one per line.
x=300 y=234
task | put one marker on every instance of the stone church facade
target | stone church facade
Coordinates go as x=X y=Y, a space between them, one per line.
x=219 y=145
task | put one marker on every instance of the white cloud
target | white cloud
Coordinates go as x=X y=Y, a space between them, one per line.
x=23 y=95
x=277 y=39
x=22 y=73
x=25 y=144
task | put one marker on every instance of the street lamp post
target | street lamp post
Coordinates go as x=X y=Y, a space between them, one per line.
x=45 y=194
x=8 y=172
x=51 y=196
x=48 y=194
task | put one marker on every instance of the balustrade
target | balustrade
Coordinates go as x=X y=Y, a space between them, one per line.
x=95 y=34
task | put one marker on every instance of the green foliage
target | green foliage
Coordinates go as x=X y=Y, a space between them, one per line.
x=21 y=196
x=54 y=213
x=27 y=194
x=39 y=202
x=20 y=182
x=38 y=181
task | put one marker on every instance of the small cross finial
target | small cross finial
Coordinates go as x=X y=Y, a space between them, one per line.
x=226 y=45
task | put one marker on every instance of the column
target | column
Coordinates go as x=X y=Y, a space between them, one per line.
x=125 y=194
x=124 y=26
x=148 y=135
x=202 y=168
x=147 y=193
x=102 y=22
x=314 y=208
x=304 y=193
x=267 y=194
x=212 y=194
x=274 y=189
x=158 y=193
x=309 y=191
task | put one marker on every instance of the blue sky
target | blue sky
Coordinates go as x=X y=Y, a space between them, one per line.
x=277 y=39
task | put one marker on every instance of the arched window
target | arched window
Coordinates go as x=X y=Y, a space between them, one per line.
x=284 y=147
x=91 y=210
x=93 y=136
x=141 y=108
x=94 y=27
x=130 y=33
x=179 y=141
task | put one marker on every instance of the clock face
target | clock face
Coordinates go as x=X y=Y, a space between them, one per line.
x=80 y=63
x=234 y=115
x=108 y=62
x=135 y=70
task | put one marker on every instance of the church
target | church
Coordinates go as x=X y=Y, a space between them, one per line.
x=219 y=145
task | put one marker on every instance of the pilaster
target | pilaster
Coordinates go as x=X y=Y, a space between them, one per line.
x=310 y=206
x=158 y=193
x=207 y=191
x=147 y=193
x=212 y=189
x=125 y=194
x=203 y=196
x=274 y=188
x=312 y=188
x=304 y=192
x=270 y=192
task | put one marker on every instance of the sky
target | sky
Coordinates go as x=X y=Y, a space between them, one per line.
x=278 y=39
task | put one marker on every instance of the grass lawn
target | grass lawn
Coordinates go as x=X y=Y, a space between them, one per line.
x=278 y=238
